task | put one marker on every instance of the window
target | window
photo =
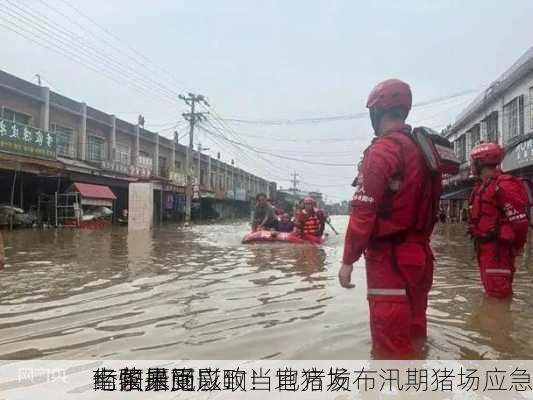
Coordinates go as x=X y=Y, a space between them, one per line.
x=145 y=159
x=460 y=148
x=177 y=165
x=202 y=177
x=521 y=115
x=475 y=135
x=491 y=127
x=123 y=154
x=162 y=166
x=14 y=116
x=530 y=107
x=64 y=140
x=95 y=148
x=513 y=118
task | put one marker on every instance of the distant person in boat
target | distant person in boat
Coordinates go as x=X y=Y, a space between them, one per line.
x=311 y=220
x=2 y=254
x=278 y=211
x=264 y=217
x=285 y=224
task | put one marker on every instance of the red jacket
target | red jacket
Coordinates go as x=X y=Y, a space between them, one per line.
x=395 y=193
x=313 y=223
x=498 y=210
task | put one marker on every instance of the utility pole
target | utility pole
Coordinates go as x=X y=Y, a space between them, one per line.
x=294 y=183
x=193 y=117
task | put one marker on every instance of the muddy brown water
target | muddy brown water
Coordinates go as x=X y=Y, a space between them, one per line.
x=197 y=293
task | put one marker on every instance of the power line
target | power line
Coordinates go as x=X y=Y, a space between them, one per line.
x=49 y=42
x=277 y=155
x=343 y=117
x=251 y=158
x=77 y=45
x=147 y=60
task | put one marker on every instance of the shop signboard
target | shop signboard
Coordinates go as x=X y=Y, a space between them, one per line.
x=115 y=166
x=25 y=140
x=139 y=171
x=177 y=178
x=519 y=156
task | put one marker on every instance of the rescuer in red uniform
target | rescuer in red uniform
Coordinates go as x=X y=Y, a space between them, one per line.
x=310 y=220
x=394 y=209
x=498 y=219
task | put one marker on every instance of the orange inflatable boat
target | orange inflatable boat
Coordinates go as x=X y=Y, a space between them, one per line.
x=273 y=236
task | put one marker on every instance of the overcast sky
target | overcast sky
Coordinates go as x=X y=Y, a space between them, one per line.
x=268 y=60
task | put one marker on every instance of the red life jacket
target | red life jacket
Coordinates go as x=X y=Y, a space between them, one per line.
x=311 y=224
x=489 y=219
x=411 y=202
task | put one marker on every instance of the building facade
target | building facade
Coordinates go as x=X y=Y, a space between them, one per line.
x=49 y=141
x=502 y=114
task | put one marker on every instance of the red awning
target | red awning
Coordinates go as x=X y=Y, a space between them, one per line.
x=94 y=191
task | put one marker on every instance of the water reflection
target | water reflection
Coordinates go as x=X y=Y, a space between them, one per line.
x=196 y=292
x=139 y=245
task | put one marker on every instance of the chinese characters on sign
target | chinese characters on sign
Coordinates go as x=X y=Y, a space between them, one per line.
x=312 y=380
x=22 y=139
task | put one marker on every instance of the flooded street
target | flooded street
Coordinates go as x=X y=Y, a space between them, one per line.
x=197 y=293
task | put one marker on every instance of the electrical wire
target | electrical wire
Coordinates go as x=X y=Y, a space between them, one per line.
x=76 y=46
x=320 y=119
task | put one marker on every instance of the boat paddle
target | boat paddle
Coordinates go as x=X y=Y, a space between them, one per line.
x=331 y=226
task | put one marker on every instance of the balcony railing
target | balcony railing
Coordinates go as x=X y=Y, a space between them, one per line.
x=66 y=151
x=464 y=174
x=25 y=140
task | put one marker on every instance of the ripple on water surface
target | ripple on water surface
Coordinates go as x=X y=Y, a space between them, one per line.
x=196 y=292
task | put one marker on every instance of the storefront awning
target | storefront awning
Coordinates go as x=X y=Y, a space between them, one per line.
x=29 y=164
x=77 y=165
x=90 y=191
x=462 y=194
x=520 y=156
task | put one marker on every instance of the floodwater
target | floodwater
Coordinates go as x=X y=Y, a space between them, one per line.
x=197 y=293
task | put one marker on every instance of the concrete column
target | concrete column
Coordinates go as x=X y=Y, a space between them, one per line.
x=501 y=122
x=209 y=172
x=173 y=155
x=156 y=155
x=483 y=130
x=82 y=148
x=45 y=108
x=140 y=206
x=113 y=151
x=137 y=144
x=225 y=179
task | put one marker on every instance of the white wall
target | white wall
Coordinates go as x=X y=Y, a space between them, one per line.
x=141 y=206
x=521 y=88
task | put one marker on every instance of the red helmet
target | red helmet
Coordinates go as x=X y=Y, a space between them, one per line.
x=390 y=94
x=309 y=200
x=487 y=154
